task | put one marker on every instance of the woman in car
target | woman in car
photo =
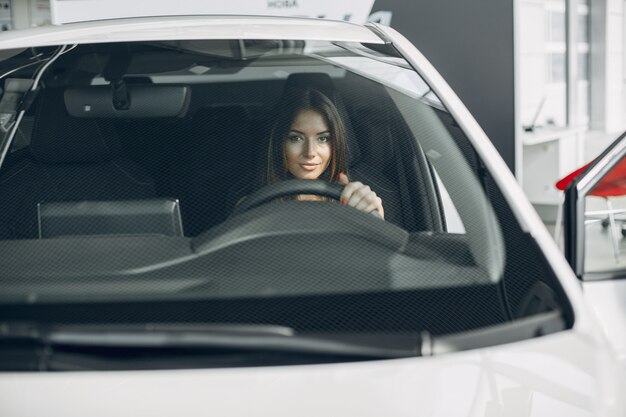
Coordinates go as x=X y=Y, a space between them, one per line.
x=307 y=141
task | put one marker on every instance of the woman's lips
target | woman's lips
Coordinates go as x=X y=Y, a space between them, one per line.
x=309 y=167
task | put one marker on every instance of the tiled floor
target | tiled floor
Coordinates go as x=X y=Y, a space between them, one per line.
x=599 y=255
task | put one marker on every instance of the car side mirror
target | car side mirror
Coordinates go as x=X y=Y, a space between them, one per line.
x=594 y=213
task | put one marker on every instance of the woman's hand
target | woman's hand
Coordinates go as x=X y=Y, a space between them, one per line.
x=360 y=196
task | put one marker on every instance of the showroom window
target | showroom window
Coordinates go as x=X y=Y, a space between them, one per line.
x=552 y=95
x=582 y=50
x=554 y=86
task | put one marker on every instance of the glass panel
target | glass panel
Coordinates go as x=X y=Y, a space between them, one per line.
x=386 y=126
x=543 y=74
x=556 y=28
x=304 y=110
x=557 y=68
x=583 y=103
x=583 y=66
x=583 y=28
x=605 y=218
x=583 y=106
x=554 y=111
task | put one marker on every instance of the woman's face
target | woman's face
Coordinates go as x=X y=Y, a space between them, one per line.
x=308 y=145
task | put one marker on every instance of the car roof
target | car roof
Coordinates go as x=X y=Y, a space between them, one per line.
x=189 y=27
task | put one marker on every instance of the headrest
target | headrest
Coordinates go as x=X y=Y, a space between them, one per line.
x=59 y=138
x=316 y=80
x=322 y=82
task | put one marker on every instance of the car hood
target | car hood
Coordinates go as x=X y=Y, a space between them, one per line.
x=560 y=374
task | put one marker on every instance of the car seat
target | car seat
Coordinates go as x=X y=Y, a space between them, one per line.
x=219 y=150
x=71 y=159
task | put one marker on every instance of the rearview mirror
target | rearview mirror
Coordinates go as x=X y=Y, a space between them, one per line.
x=145 y=101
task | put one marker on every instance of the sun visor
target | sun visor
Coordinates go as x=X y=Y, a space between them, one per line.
x=144 y=101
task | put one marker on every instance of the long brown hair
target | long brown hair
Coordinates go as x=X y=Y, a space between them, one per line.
x=293 y=102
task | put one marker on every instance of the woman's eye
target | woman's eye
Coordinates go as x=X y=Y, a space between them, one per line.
x=323 y=139
x=295 y=138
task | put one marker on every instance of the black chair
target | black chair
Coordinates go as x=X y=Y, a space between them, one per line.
x=156 y=217
x=71 y=159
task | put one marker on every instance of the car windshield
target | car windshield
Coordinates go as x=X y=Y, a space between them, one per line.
x=157 y=182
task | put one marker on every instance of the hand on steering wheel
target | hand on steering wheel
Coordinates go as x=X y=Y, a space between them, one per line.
x=354 y=194
x=360 y=196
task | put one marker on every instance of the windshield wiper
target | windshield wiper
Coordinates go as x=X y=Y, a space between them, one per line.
x=33 y=346
x=521 y=329
x=99 y=339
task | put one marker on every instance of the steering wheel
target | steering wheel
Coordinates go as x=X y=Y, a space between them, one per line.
x=285 y=188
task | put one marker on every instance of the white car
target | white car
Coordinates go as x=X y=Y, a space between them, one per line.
x=148 y=267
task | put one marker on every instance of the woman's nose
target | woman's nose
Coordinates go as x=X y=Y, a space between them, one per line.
x=310 y=147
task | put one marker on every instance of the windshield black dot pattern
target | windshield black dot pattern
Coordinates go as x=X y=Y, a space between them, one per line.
x=310 y=266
